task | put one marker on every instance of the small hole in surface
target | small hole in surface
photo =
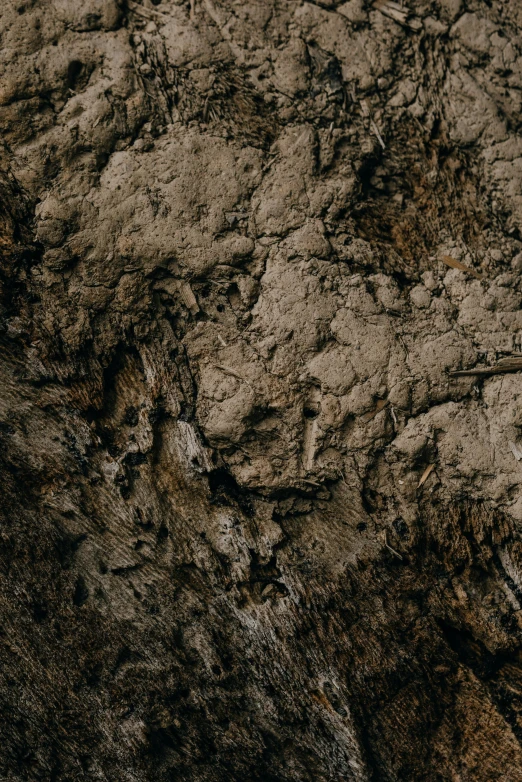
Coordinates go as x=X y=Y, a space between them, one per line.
x=310 y=412
x=163 y=533
x=39 y=612
x=73 y=73
x=81 y=592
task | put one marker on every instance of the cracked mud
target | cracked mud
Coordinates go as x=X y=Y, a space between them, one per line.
x=252 y=526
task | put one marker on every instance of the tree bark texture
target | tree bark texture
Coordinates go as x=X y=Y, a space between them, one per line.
x=252 y=526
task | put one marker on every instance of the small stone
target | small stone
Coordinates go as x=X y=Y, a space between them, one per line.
x=420 y=297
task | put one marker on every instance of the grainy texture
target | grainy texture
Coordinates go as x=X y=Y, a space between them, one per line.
x=228 y=326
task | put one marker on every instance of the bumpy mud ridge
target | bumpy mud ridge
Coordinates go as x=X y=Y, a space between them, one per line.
x=252 y=527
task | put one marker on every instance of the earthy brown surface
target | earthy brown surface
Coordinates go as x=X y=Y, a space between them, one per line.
x=251 y=526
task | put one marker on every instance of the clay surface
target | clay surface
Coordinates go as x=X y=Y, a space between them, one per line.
x=252 y=528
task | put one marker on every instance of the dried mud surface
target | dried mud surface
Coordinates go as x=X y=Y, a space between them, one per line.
x=251 y=527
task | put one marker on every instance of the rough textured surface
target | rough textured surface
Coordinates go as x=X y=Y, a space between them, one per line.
x=226 y=335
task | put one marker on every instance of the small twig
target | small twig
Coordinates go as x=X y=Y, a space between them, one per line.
x=376 y=131
x=341 y=476
x=311 y=482
x=425 y=475
x=381 y=404
x=138 y=9
x=399 y=14
x=367 y=113
x=390 y=548
x=147 y=13
x=506 y=365
x=228 y=371
x=449 y=261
